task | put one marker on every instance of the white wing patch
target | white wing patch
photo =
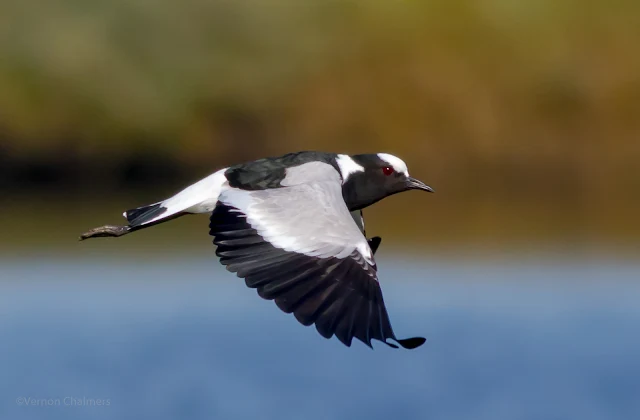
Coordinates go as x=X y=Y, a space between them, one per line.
x=347 y=166
x=397 y=163
x=310 y=219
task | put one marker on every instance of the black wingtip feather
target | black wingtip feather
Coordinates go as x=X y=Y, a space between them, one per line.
x=290 y=291
x=330 y=316
x=412 y=343
x=312 y=312
x=344 y=329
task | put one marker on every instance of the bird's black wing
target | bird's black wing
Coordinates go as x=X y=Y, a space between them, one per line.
x=299 y=246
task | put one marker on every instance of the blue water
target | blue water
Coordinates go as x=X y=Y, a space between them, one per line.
x=186 y=340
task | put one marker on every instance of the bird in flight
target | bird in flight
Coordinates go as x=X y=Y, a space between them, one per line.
x=292 y=228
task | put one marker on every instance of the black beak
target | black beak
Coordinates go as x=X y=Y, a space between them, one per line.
x=414 y=184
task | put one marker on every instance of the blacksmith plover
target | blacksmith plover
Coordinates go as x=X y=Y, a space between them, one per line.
x=292 y=227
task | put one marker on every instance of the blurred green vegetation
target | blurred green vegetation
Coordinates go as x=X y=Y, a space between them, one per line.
x=492 y=102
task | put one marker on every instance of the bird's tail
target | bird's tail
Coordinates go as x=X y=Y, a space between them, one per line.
x=138 y=218
x=144 y=214
x=200 y=197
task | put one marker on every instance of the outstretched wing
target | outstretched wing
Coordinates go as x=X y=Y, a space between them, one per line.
x=299 y=245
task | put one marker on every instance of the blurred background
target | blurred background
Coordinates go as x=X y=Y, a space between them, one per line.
x=522 y=270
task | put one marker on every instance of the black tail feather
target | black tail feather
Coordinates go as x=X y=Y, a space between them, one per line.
x=143 y=214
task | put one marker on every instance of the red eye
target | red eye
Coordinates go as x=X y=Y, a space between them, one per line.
x=387 y=170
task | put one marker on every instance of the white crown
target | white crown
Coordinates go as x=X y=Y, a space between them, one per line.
x=397 y=163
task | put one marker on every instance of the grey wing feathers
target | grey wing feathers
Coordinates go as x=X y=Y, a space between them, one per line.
x=308 y=218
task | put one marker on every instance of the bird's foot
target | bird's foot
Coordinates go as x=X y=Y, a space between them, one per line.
x=105 y=231
x=374 y=243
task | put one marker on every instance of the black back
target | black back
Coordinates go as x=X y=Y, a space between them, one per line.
x=267 y=173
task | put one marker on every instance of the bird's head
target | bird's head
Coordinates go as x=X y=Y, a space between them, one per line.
x=368 y=178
